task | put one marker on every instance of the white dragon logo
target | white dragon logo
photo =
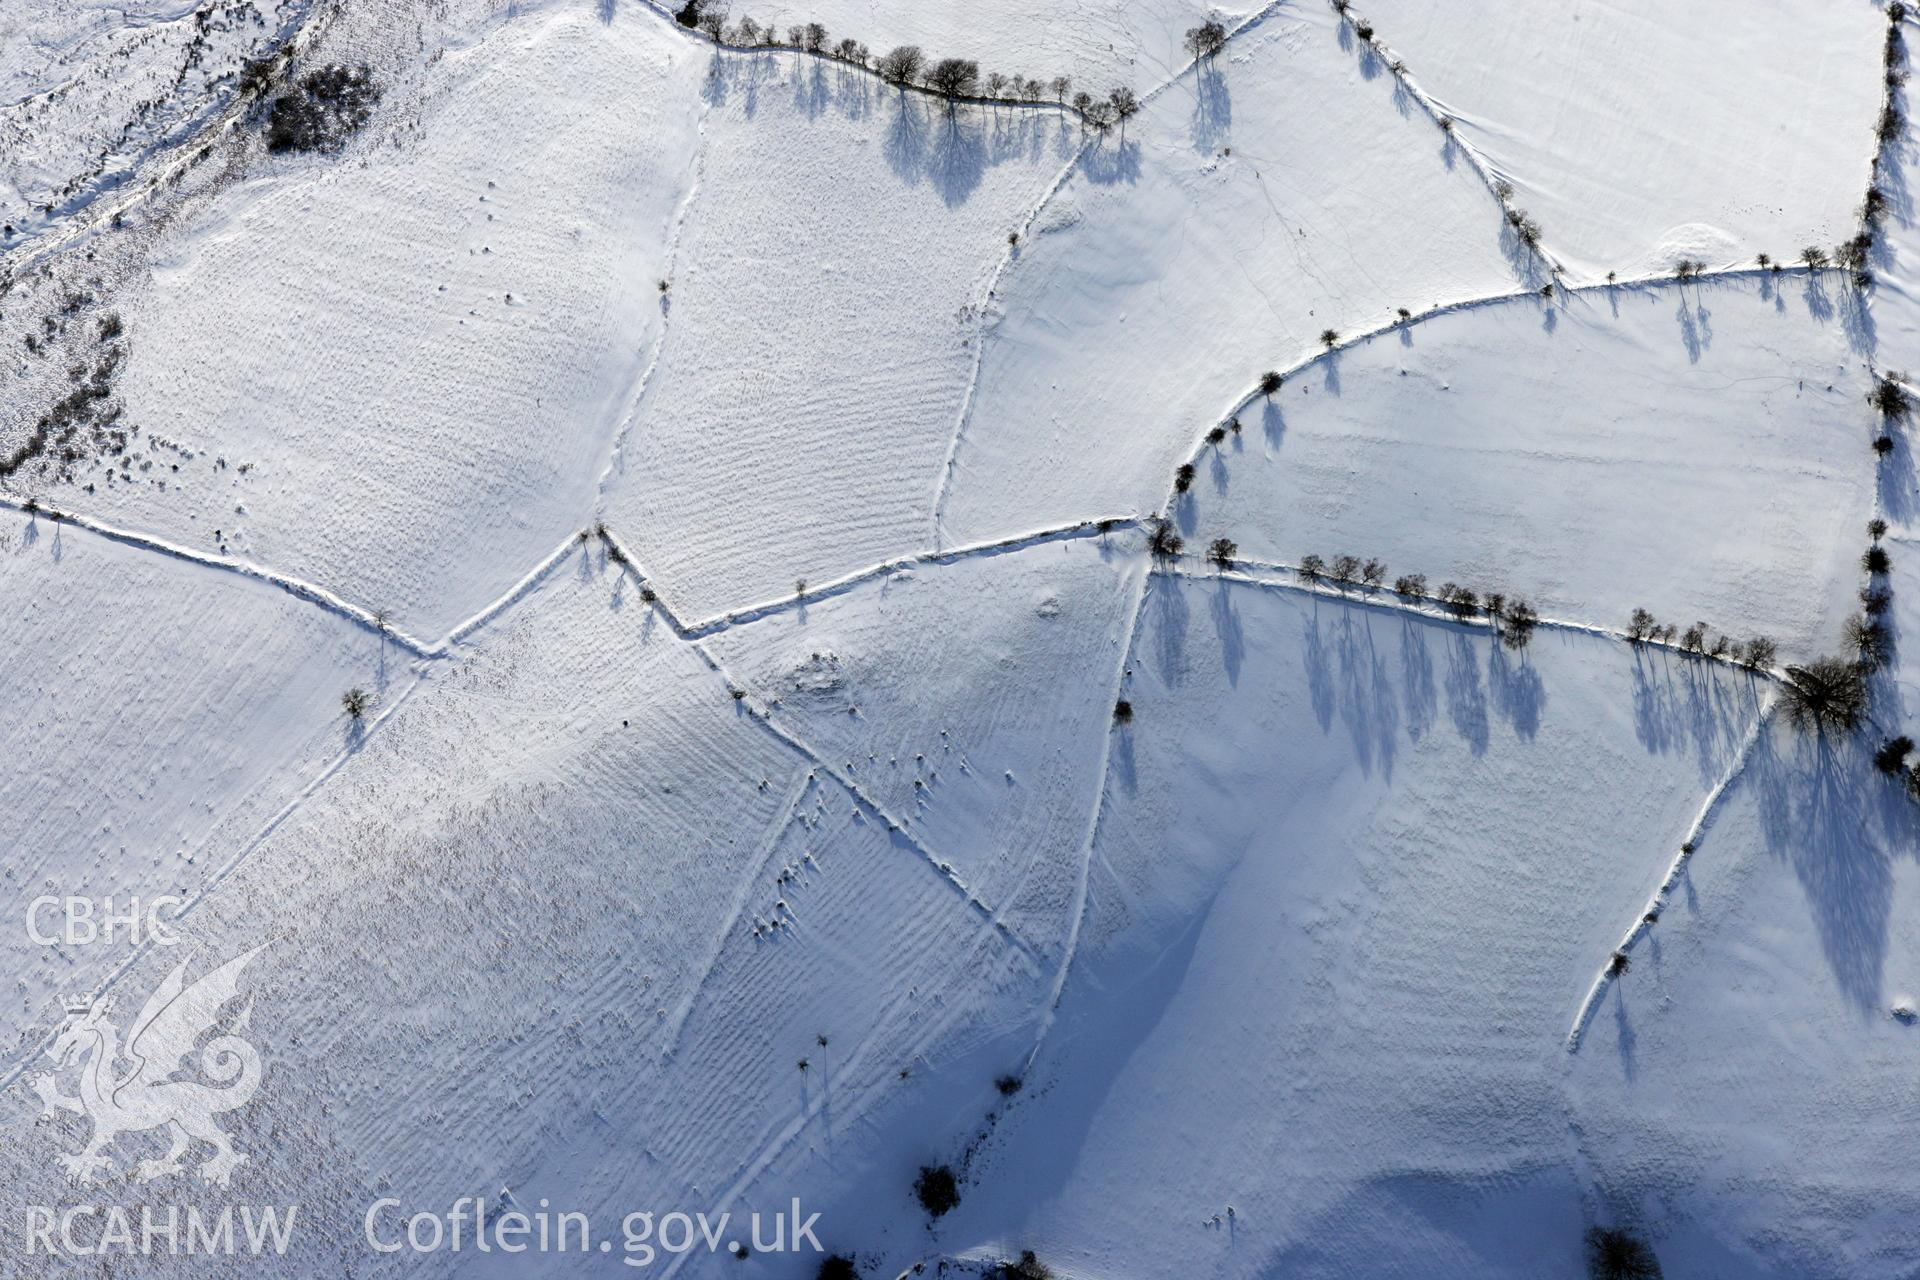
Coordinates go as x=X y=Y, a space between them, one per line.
x=144 y=1095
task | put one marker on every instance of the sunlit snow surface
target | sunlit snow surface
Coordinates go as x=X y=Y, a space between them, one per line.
x=786 y=763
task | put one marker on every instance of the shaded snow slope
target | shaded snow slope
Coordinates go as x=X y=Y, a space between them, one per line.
x=1699 y=450
x=822 y=314
x=1168 y=274
x=537 y=911
x=159 y=714
x=1745 y=1090
x=399 y=375
x=1353 y=876
x=1638 y=133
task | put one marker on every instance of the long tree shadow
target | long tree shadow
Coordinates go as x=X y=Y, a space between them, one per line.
x=1367 y=701
x=1518 y=694
x=1466 y=698
x=1416 y=677
x=1170 y=630
x=1212 y=109
x=1107 y=166
x=1226 y=622
x=1838 y=822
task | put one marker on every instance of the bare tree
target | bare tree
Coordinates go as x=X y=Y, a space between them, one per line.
x=901 y=64
x=1520 y=622
x=1125 y=105
x=1221 y=552
x=954 y=77
x=1060 y=86
x=1208 y=38
x=1826 y=695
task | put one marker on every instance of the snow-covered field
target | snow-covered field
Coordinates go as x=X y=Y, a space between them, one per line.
x=686 y=629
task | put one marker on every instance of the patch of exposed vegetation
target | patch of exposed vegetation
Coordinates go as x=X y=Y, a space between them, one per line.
x=322 y=110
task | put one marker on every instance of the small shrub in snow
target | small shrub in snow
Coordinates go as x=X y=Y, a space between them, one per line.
x=1221 y=551
x=1216 y=435
x=1028 y=1268
x=1613 y=1254
x=1890 y=398
x=1875 y=560
x=1826 y=695
x=1008 y=1085
x=936 y=1190
x=1892 y=755
x=837 y=1267
x=1618 y=963
x=1329 y=338
x=356 y=702
x=1883 y=445
x=1876 y=528
x=1123 y=712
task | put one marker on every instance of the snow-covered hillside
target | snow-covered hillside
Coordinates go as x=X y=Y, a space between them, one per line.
x=693 y=619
